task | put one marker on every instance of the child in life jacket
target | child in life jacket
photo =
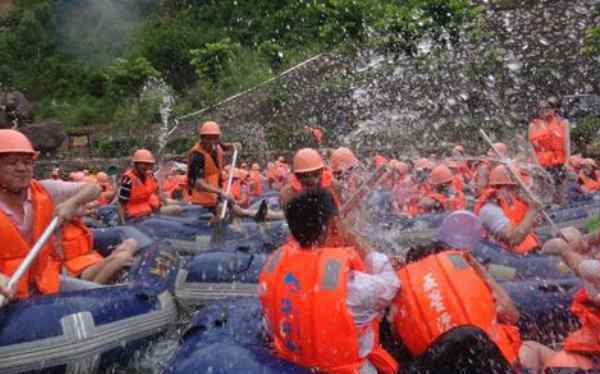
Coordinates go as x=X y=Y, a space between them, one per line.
x=581 y=349
x=441 y=325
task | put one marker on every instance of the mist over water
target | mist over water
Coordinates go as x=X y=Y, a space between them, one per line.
x=97 y=31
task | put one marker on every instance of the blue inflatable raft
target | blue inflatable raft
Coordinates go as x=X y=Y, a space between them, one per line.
x=92 y=328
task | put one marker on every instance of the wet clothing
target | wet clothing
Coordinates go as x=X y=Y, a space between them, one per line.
x=587 y=339
x=296 y=284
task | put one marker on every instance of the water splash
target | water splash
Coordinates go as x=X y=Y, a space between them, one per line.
x=156 y=89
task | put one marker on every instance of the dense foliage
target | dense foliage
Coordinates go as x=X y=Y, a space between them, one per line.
x=85 y=62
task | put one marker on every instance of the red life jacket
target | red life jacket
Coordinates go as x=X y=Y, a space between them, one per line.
x=434 y=299
x=143 y=198
x=45 y=270
x=78 y=253
x=212 y=175
x=587 y=339
x=548 y=140
x=515 y=213
x=295 y=286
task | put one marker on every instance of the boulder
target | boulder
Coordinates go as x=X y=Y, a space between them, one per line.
x=46 y=136
x=15 y=105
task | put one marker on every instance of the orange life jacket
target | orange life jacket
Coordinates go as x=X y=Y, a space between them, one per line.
x=455 y=201
x=548 y=140
x=412 y=208
x=45 y=270
x=588 y=184
x=256 y=184
x=143 y=198
x=212 y=175
x=239 y=190
x=434 y=299
x=78 y=253
x=515 y=213
x=170 y=184
x=296 y=285
x=587 y=338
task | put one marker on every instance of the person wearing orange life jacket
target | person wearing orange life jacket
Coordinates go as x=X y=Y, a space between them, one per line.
x=548 y=134
x=507 y=216
x=422 y=169
x=459 y=163
x=240 y=189
x=256 y=181
x=139 y=195
x=26 y=208
x=482 y=172
x=106 y=186
x=442 y=322
x=343 y=162
x=82 y=261
x=205 y=167
x=404 y=186
x=581 y=349
x=306 y=277
x=587 y=176
x=446 y=193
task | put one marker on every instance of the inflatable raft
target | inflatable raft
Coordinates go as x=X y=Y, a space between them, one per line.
x=92 y=328
x=228 y=336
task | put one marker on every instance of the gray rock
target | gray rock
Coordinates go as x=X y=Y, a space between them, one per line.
x=46 y=136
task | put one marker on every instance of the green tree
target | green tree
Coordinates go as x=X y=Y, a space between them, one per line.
x=214 y=60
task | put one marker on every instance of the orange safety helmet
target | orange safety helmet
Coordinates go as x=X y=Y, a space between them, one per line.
x=500 y=148
x=307 y=160
x=342 y=159
x=500 y=177
x=143 y=155
x=102 y=178
x=209 y=128
x=256 y=167
x=423 y=163
x=440 y=175
x=13 y=141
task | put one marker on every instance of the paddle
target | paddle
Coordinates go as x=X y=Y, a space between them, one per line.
x=218 y=230
x=517 y=178
x=35 y=251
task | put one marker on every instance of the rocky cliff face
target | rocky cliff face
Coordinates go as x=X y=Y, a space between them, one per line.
x=524 y=51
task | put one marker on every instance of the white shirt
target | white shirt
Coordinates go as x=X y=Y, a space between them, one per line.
x=369 y=293
x=493 y=218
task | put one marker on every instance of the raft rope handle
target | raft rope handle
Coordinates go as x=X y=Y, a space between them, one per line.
x=508 y=162
x=229 y=181
x=37 y=248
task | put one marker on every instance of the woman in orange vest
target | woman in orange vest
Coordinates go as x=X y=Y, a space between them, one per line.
x=581 y=349
x=306 y=277
x=508 y=217
x=26 y=208
x=549 y=136
x=82 y=261
x=139 y=195
x=446 y=193
x=239 y=188
x=205 y=167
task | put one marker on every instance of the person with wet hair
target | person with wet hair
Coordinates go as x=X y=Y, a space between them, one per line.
x=307 y=277
x=549 y=136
